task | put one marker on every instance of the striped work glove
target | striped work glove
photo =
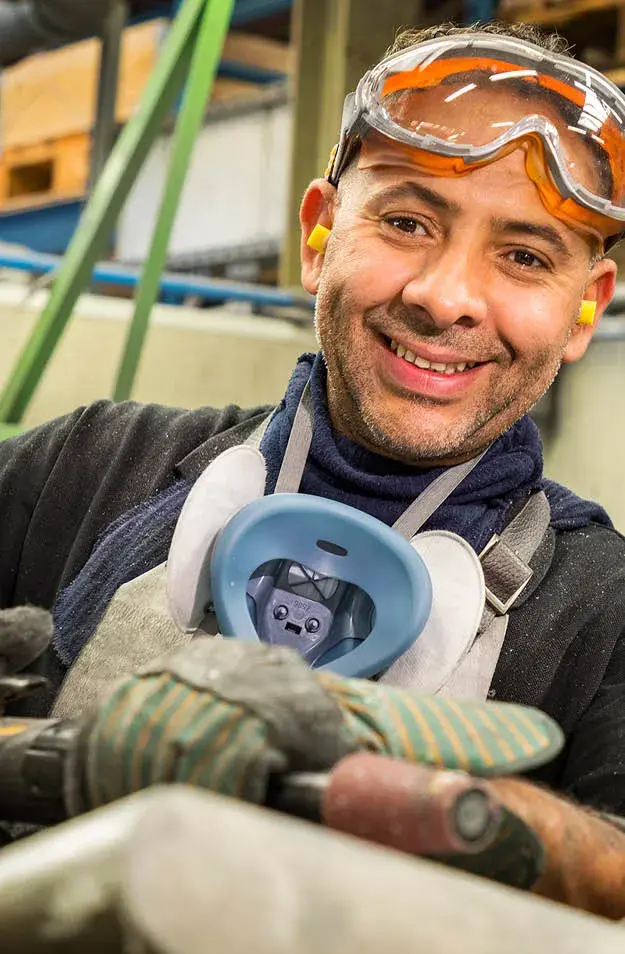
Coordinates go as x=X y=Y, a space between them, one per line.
x=226 y=715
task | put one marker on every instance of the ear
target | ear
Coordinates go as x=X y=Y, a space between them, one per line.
x=317 y=208
x=600 y=288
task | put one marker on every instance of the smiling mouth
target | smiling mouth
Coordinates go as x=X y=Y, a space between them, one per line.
x=419 y=362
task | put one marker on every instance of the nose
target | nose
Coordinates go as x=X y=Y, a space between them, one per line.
x=448 y=285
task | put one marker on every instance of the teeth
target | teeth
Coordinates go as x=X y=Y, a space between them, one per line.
x=430 y=365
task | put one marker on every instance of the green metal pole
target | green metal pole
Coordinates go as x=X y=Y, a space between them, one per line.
x=102 y=210
x=202 y=72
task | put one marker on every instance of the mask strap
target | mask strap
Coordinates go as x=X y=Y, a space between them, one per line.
x=421 y=509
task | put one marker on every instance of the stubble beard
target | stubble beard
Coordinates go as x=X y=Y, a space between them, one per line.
x=355 y=415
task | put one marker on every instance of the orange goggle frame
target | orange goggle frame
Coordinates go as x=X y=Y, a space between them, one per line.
x=542 y=163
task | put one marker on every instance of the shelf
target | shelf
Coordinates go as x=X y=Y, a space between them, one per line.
x=247 y=11
x=562 y=13
x=42 y=228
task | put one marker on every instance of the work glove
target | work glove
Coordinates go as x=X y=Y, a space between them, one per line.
x=227 y=715
x=230 y=716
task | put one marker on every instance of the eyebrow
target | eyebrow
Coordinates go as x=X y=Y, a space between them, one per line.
x=545 y=232
x=413 y=190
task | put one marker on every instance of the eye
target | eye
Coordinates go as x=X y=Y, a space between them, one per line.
x=406 y=224
x=526 y=259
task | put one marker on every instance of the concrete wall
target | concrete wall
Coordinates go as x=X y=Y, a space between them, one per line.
x=192 y=357
x=588 y=451
x=235 y=191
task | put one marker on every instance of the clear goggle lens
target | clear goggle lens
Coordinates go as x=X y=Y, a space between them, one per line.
x=457 y=110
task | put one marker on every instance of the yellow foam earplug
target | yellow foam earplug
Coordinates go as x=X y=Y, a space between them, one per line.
x=318 y=238
x=587 y=313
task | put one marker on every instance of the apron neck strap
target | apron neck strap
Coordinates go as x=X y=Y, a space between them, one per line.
x=298 y=447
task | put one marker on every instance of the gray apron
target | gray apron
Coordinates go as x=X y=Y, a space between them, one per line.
x=138 y=625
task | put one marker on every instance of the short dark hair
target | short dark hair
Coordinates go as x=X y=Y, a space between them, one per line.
x=551 y=42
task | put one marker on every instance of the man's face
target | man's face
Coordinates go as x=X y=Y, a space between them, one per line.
x=445 y=305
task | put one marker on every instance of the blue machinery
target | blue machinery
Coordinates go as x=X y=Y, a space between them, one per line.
x=173 y=285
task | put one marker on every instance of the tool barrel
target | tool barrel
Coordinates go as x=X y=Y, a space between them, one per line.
x=413 y=808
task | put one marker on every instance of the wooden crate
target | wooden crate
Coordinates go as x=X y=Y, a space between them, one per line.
x=56 y=169
x=53 y=95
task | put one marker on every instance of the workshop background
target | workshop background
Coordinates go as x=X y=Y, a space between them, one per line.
x=230 y=317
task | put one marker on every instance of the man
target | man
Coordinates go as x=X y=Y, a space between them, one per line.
x=456 y=266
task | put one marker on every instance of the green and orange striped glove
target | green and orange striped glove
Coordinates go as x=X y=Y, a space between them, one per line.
x=226 y=715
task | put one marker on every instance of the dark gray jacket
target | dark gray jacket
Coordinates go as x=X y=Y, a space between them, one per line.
x=62 y=484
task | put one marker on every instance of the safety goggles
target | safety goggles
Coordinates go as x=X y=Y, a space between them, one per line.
x=458 y=103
